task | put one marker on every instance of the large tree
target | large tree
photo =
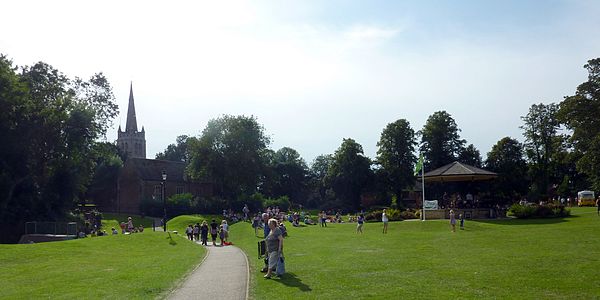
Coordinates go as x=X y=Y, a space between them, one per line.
x=49 y=125
x=231 y=152
x=290 y=175
x=507 y=159
x=319 y=169
x=396 y=155
x=580 y=113
x=349 y=173
x=470 y=155
x=542 y=144
x=440 y=140
x=178 y=151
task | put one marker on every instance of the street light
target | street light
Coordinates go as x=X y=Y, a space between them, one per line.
x=163 y=183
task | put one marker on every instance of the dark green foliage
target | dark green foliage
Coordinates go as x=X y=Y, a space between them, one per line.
x=176 y=152
x=49 y=125
x=580 y=114
x=542 y=145
x=551 y=210
x=506 y=159
x=231 y=152
x=349 y=174
x=396 y=157
x=440 y=140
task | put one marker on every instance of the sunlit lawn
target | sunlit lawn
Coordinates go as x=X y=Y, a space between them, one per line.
x=137 y=266
x=507 y=259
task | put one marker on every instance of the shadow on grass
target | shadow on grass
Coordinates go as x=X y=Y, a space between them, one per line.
x=515 y=221
x=171 y=241
x=290 y=279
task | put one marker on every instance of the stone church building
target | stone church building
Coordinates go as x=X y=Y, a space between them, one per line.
x=140 y=180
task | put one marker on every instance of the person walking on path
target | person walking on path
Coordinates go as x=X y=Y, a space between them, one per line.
x=384 y=219
x=189 y=231
x=274 y=246
x=214 y=230
x=360 y=221
x=197 y=232
x=204 y=233
x=452 y=220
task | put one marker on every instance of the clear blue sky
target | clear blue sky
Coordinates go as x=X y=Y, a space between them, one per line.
x=315 y=72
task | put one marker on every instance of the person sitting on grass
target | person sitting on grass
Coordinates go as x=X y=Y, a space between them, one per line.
x=114 y=231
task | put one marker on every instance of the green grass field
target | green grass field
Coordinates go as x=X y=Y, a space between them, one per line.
x=137 y=266
x=110 y=220
x=502 y=259
x=179 y=223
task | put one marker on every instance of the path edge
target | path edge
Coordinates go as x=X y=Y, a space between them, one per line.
x=187 y=274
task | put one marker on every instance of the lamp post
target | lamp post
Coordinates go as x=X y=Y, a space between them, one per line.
x=164 y=181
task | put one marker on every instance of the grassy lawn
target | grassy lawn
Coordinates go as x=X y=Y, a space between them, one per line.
x=507 y=259
x=110 y=220
x=179 y=223
x=138 y=266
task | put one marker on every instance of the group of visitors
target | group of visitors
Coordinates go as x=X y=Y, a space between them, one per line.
x=456 y=200
x=461 y=219
x=200 y=232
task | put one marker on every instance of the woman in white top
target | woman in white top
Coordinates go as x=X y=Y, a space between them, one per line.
x=384 y=219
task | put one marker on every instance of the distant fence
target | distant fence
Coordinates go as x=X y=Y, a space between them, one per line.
x=56 y=228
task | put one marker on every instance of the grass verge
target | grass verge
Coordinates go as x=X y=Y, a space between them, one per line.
x=137 y=266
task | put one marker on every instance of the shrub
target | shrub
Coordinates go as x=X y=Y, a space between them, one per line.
x=551 y=210
x=393 y=215
x=283 y=202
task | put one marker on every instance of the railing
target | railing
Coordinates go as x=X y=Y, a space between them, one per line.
x=56 y=228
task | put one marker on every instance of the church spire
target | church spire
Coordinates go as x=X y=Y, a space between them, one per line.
x=131 y=125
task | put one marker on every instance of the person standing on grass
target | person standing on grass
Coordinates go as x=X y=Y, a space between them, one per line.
x=245 y=210
x=256 y=224
x=266 y=228
x=214 y=230
x=598 y=204
x=274 y=246
x=461 y=217
x=384 y=219
x=323 y=219
x=452 y=220
x=360 y=221
x=204 y=233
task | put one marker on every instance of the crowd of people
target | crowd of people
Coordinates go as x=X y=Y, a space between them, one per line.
x=200 y=232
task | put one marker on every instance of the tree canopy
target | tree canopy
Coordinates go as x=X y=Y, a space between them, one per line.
x=396 y=155
x=49 y=125
x=440 y=140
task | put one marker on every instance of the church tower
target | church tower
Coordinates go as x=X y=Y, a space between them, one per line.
x=132 y=141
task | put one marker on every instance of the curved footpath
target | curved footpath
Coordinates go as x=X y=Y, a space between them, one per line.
x=223 y=274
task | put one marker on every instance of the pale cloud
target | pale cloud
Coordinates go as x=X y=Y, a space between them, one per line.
x=370 y=33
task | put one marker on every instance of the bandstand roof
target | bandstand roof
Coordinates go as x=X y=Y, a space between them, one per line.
x=458 y=171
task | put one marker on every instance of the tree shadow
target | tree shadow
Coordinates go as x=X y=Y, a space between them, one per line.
x=290 y=279
x=515 y=221
x=172 y=242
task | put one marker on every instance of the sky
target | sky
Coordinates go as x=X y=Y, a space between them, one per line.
x=315 y=72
